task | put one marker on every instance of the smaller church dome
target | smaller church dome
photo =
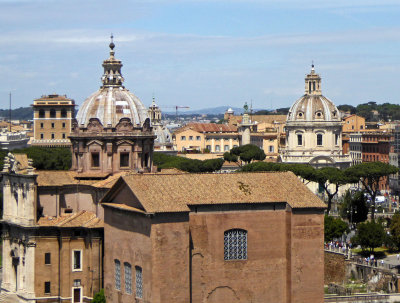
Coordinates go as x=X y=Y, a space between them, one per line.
x=112 y=101
x=313 y=106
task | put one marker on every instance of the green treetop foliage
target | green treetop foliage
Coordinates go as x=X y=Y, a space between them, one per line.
x=347 y=108
x=354 y=207
x=189 y=165
x=395 y=229
x=44 y=158
x=334 y=228
x=327 y=177
x=245 y=153
x=370 y=174
x=369 y=235
x=99 y=297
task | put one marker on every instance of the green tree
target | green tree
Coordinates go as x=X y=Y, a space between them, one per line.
x=99 y=297
x=354 y=207
x=370 y=235
x=189 y=165
x=334 y=228
x=248 y=153
x=230 y=157
x=329 y=177
x=370 y=174
x=395 y=229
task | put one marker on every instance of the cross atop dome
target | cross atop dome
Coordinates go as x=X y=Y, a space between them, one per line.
x=112 y=76
x=313 y=82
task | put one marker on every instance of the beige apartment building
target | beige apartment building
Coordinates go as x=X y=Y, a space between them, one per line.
x=52 y=116
x=216 y=138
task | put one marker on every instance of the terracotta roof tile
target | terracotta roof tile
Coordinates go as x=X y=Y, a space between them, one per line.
x=174 y=193
x=80 y=219
x=64 y=177
x=208 y=127
x=259 y=118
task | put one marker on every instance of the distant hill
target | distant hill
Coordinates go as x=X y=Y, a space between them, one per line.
x=22 y=113
x=210 y=111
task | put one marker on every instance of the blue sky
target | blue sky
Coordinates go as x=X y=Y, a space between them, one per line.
x=202 y=53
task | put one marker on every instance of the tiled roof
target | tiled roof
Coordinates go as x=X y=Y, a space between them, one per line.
x=208 y=127
x=80 y=219
x=259 y=118
x=64 y=177
x=174 y=193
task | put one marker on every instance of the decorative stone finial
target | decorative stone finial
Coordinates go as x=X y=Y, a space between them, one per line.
x=112 y=45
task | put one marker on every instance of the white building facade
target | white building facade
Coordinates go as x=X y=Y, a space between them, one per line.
x=314 y=129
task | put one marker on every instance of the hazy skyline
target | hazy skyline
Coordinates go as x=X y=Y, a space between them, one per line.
x=202 y=53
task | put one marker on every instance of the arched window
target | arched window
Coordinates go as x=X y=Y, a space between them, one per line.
x=319 y=139
x=139 y=282
x=52 y=113
x=41 y=113
x=117 y=265
x=128 y=278
x=235 y=244
x=299 y=139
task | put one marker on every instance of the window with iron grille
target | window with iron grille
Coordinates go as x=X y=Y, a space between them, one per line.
x=139 y=282
x=128 y=278
x=117 y=274
x=235 y=244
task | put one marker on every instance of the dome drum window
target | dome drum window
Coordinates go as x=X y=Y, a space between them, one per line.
x=300 y=115
x=319 y=115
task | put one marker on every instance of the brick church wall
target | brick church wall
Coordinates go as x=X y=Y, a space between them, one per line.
x=307 y=256
x=260 y=278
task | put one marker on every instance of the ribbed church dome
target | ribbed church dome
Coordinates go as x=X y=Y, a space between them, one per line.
x=313 y=106
x=112 y=101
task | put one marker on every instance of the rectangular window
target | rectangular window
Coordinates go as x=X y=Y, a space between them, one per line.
x=128 y=278
x=117 y=265
x=190 y=138
x=217 y=148
x=77 y=260
x=336 y=139
x=124 y=159
x=183 y=138
x=319 y=139
x=198 y=138
x=47 y=258
x=47 y=287
x=226 y=147
x=299 y=139
x=208 y=147
x=77 y=282
x=139 y=282
x=95 y=159
x=235 y=244
x=271 y=149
